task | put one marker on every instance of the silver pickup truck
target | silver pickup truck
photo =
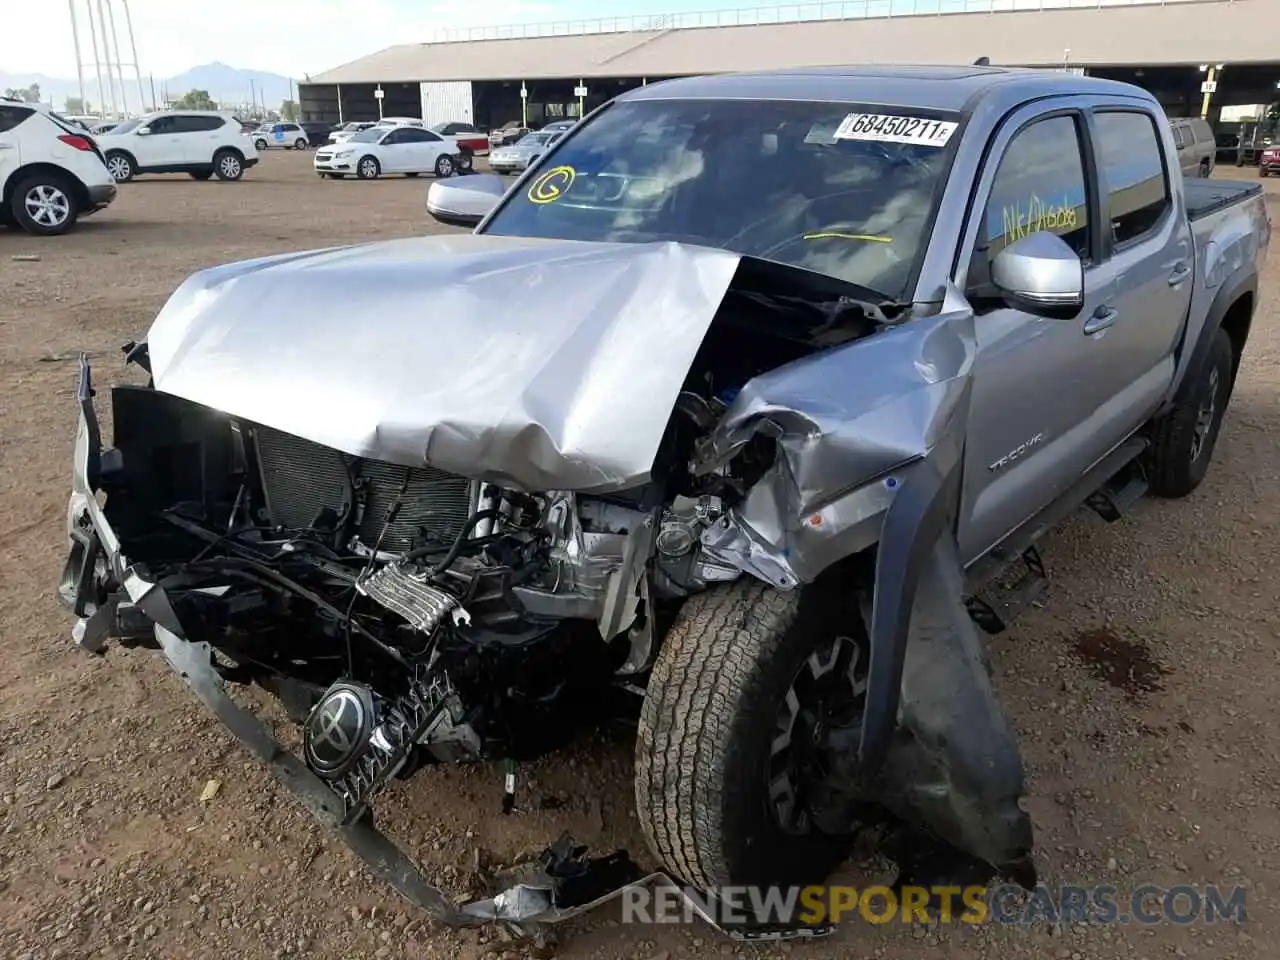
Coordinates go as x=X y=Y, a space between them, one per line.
x=738 y=416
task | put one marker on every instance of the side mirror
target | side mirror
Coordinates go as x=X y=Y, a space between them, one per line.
x=465 y=201
x=1041 y=275
x=143 y=131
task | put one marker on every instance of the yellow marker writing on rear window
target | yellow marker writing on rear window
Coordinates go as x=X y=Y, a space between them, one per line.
x=552 y=185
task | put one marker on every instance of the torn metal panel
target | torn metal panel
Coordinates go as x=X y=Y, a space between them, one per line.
x=848 y=423
x=543 y=365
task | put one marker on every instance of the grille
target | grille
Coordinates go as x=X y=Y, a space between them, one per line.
x=302 y=478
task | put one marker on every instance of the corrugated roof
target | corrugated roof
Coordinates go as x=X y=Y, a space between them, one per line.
x=1174 y=33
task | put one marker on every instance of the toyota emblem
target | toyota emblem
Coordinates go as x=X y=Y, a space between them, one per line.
x=337 y=731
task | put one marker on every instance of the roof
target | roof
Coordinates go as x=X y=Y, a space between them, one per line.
x=934 y=87
x=1191 y=32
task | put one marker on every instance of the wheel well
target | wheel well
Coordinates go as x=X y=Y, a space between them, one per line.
x=132 y=159
x=77 y=185
x=236 y=150
x=1236 y=322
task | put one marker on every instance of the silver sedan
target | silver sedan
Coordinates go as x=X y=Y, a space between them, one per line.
x=522 y=155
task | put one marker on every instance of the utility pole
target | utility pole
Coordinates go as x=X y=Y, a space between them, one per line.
x=253 y=97
x=75 y=39
x=137 y=70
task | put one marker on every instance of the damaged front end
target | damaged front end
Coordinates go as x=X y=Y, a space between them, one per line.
x=409 y=610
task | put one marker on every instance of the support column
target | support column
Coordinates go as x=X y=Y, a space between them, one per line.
x=1208 y=85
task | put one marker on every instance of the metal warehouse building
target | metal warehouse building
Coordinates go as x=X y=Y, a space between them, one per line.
x=1169 y=47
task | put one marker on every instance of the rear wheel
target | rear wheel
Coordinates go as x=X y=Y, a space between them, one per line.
x=368 y=168
x=1182 y=441
x=1204 y=168
x=732 y=736
x=45 y=205
x=444 y=166
x=466 y=162
x=1262 y=171
x=228 y=165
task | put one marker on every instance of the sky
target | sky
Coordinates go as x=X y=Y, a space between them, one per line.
x=290 y=37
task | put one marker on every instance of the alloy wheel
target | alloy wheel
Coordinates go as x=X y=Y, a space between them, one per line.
x=47 y=205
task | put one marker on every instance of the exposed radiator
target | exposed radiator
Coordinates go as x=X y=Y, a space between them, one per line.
x=302 y=478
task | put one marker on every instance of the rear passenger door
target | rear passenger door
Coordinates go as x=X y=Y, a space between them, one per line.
x=1149 y=252
x=197 y=138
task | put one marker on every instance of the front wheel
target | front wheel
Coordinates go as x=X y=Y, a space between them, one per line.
x=228 y=165
x=260 y=144
x=732 y=736
x=44 y=205
x=120 y=166
x=299 y=144
x=444 y=166
x=368 y=168
x=1182 y=441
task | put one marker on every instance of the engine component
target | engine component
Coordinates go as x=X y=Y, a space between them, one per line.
x=337 y=731
x=423 y=605
x=302 y=480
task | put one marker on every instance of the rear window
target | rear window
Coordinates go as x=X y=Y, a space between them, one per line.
x=12 y=115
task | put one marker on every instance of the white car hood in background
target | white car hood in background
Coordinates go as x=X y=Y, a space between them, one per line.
x=543 y=364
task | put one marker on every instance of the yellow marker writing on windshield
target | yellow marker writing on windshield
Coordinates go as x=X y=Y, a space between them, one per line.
x=835 y=235
x=552 y=185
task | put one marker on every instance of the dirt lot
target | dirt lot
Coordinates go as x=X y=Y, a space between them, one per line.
x=1156 y=762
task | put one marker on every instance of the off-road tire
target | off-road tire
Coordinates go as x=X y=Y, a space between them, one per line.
x=121 y=166
x=368 y=168
x=228 y=164
x=51 y=197
x=1173 y=468
x=706 y=728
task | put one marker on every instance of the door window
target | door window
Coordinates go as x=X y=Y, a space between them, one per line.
x=1039 y=185
x=189 y=123
x=162 y=125
x=1132 y=170
x=1178 y=140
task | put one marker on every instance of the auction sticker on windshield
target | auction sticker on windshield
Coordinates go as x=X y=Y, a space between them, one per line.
x=552 y=185
x=888 y=128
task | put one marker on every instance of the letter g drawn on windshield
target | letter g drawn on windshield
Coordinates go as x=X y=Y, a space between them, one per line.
x=552 y=185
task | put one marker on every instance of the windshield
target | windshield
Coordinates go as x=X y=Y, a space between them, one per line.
x=128 y=126
x=535 y=140
x=370 y=135
x=841 y=189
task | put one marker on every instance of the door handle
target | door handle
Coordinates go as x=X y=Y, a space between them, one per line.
x=1179 y=274
x=1102 y=318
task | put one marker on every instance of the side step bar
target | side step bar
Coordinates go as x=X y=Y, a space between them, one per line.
x=1110 y=488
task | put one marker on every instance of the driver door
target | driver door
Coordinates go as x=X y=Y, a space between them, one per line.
x=1038 y=416
x=159 y=146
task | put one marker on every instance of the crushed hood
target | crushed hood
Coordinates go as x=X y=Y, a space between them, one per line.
x=542 y=364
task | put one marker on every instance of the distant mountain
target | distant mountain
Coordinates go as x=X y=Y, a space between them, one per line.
x=228 y=85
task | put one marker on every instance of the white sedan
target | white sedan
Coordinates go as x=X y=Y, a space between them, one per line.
x=371 y=153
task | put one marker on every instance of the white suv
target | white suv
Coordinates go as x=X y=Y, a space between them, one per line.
x=200 y=143
x=51 y=173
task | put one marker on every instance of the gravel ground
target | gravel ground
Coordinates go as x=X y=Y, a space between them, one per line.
x=1143 y=689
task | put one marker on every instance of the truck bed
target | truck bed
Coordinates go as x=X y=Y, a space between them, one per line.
x=1209 y=196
